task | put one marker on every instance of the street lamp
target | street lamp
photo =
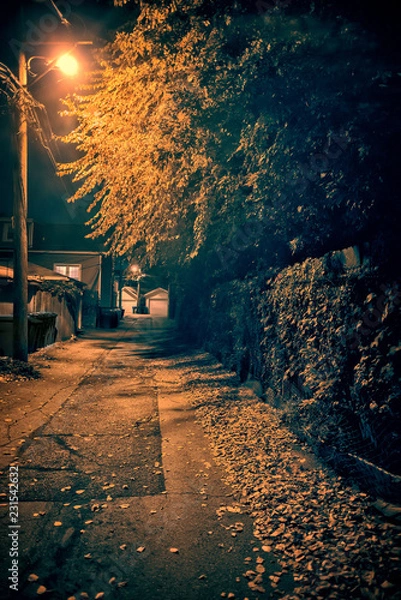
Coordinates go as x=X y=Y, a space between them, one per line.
x=137 y=274
x=20 y=196
x=68 y=64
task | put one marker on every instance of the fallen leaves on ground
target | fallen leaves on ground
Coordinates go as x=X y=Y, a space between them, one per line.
x=322 y=531
x=41 y=590
x=16 y=370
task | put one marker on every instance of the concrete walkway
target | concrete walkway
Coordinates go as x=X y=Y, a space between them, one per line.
x=119 y=495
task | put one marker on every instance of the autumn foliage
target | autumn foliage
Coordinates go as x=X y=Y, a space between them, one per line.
x=199 y=123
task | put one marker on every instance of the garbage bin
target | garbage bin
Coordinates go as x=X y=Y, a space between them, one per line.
x=108 y=318
x=41 y=330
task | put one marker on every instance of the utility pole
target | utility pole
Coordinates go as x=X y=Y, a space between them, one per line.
x=20 y=207
x=20 y=117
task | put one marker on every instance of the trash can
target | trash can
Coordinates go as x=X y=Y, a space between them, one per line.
x=108 y=318
x=41 y=330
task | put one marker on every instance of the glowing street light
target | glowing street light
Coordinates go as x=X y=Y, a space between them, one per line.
x=135 y=270
x=68 y=64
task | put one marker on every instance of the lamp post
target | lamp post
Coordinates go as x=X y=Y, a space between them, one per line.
x=137 y=273
x=20 y=206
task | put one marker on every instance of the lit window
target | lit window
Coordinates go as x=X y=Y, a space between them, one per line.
x=73 y=271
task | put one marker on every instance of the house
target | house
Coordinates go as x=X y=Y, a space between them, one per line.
x=65 y=249
x=157 y=302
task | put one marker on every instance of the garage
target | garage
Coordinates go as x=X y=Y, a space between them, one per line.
x=157 y=302
x=129 y=299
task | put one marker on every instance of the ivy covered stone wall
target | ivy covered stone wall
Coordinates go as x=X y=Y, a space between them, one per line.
x=331 y=347
x=325 y=342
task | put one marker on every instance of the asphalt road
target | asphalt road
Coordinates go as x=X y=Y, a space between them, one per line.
x=118 y=491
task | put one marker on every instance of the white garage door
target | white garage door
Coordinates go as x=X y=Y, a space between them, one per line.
x=158 y=308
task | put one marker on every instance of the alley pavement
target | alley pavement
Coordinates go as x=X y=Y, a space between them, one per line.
x=115 y=491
